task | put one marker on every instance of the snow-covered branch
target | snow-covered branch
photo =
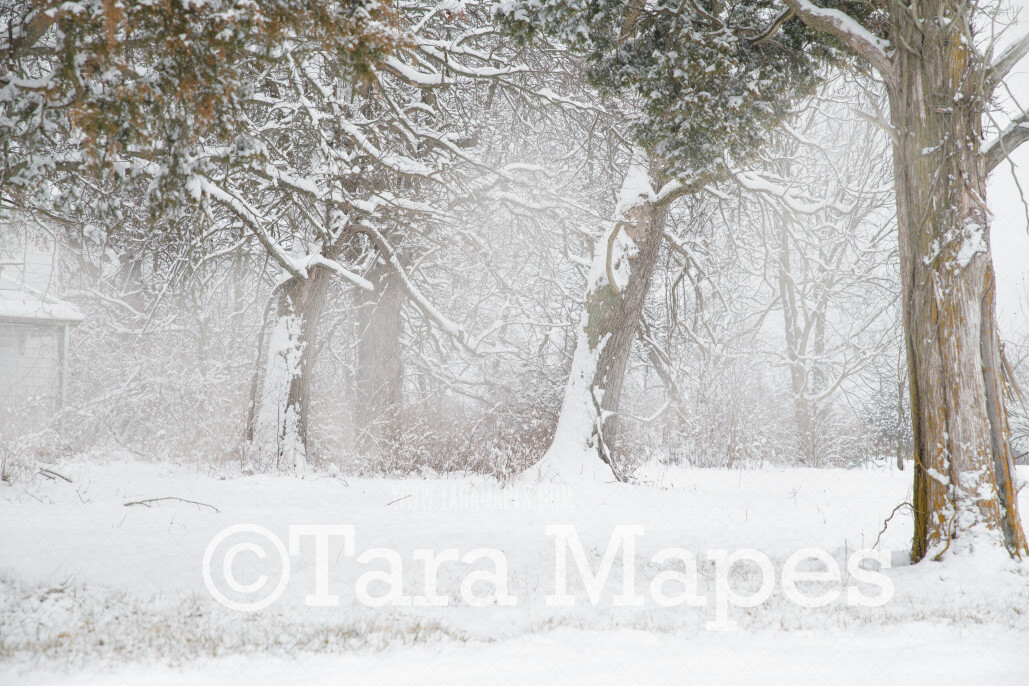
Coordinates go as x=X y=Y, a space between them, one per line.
x=1016 y=133
x=1008 y=59
x=844 y=28
x=430 y=311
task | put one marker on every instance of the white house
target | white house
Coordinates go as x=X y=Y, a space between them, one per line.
x=34 y=325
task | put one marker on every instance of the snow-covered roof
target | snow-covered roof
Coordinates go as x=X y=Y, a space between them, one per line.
x=22 y=305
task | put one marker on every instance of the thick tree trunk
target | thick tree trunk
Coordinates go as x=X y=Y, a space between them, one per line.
x=380 y=369
x=623 y=263
x=276 y=435
x=964 y=489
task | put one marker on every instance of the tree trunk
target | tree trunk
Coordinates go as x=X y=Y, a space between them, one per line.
x=623 y=263
x=964 y=489
x=276 y=435
x=796 y=344
x=380 y=369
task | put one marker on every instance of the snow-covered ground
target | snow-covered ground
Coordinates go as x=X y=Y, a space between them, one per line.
x=96 y=592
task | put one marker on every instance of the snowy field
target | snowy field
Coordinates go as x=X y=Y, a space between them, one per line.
x=97 y=592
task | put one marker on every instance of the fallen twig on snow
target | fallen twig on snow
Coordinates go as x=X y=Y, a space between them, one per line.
x=53 y=476
x=169 y=497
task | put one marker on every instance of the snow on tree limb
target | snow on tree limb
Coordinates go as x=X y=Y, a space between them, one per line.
x=317 y=260
x=636 y=188
x=1007 y=60
x=452 y=71
x=844 y=28
x=424 y=304
x=250 y=217
x=1016 y=133
x=757 y=183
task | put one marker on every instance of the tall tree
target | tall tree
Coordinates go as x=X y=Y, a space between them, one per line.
x=87 y=108
x=703 y=82
x=308 y=125
x=379 y=372
x=618 y=281
x=939 y=78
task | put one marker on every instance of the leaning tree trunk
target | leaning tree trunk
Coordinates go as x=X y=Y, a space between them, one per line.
x=276 y=435
x=964 y=487
x=623 y=263
x=380 y=369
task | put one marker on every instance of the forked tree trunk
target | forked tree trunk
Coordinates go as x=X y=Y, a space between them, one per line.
x=276 y=434
x=380 y=369
x=620 y=274
x=964 y=481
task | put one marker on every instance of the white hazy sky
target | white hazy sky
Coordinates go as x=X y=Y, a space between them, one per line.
x=1010 y=226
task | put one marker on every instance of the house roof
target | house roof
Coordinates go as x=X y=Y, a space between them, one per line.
x=23 y=305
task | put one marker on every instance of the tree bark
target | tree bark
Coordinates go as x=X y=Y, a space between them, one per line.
x=938 y=86
x=964 y=488
x=622 y=267
x=276 y=434
x=380 y=368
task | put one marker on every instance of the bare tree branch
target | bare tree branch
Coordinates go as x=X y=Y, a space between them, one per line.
x=424 y=305
x=148 y=502
x=53 y=476
x=1007 y=60
x=1016 y=133
x=776 y=25
x=28 y=34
